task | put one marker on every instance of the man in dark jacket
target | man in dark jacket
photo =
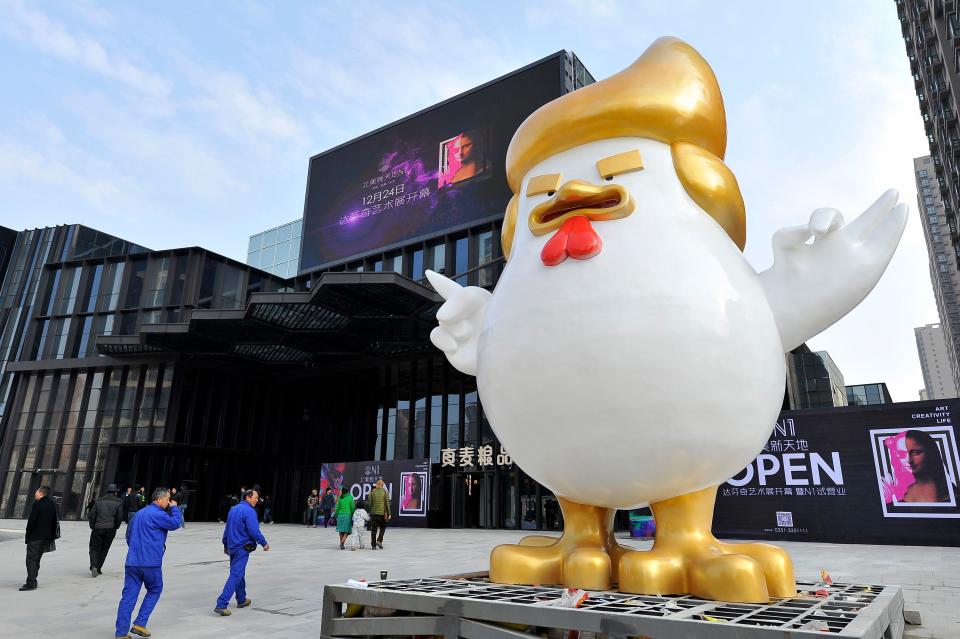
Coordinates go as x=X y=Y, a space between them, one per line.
x=240 y=537
x=131 y=504
x=105 y=518
x=327 y=504
x=146 y=543
x=41 y=531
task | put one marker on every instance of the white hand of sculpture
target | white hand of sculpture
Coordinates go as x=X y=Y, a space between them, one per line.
x=812 y=284
x=460 y=320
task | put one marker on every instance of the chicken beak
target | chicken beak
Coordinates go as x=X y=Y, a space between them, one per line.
x=579 y=197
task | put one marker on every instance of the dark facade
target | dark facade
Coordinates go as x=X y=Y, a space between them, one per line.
x=868 y=395
x=813 y=380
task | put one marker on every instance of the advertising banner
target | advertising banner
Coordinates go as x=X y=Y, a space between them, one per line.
x=434 y=172
x=407 y=481
x=870 y=474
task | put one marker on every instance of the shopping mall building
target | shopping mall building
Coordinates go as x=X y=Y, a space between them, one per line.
x=150 y=367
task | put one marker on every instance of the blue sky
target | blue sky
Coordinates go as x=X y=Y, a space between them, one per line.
x=174 y=124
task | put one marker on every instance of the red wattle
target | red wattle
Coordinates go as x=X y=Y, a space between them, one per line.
x=583 y=242
x=555 y=250
x=575 y=238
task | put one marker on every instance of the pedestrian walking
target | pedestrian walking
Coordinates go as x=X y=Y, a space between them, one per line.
x=146 y=543
x=327 y=505
x=105 y=518
x=379 y=502
x=43 y=527
x=131 y=504
x=313 y=505
x=240 y=538
x=267 y=509
x=141 y=497
x=345 y=510
x=360 y=519
x=182 y=504
x=181 y=500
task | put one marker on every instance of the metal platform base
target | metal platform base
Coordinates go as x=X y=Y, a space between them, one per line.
x=473 y=608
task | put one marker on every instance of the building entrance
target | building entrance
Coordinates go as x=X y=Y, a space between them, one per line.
x=471 y=496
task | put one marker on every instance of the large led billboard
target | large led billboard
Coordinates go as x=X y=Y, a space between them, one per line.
x=434 y=172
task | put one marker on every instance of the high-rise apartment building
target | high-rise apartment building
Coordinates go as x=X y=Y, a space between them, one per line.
x=931 y=32
x=934 y=352
x=939 y=231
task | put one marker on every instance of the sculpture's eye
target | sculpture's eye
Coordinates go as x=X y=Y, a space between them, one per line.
x=541 y=184
x=619 y=164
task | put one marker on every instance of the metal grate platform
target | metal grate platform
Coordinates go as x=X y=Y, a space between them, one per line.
x=467 y=608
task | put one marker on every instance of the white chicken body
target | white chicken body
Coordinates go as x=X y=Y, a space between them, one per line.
x=649 y=371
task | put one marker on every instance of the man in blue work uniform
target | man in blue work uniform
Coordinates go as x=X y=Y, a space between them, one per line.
x=146 y=538
x=240 y=538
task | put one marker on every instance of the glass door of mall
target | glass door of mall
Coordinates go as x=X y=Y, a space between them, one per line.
x=472 y=500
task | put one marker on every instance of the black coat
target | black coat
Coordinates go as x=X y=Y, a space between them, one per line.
x=106 y=513
x=42 y=522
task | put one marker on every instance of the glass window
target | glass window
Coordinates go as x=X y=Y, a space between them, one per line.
x=436 y=424
x=417 y=272
x=269 y=238
x=155 y=283
x=485 y=255
x=297 y=228
x=283 y=233
x=136 y=283
x=266 y=257
x=94 y=289
x=453 y=420
x=109 y=296
x=83 y=344
x=255 y=242
x=52 y=292
x=460 y=260
x=403 y=430
x=282 y=253
x=437 y=257
x=179 y=279
x=253 y=259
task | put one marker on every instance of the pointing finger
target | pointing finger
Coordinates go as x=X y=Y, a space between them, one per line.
x=443 y=285
x=442 y=340
x=463 y=304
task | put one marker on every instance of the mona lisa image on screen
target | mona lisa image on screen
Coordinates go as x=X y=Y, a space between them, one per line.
x=413 y=493
x=462 y=157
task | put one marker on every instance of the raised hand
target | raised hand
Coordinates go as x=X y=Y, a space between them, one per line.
x=460 y=319
x=811 y=285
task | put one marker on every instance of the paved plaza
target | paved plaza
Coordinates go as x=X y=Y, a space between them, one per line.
x=286 y=584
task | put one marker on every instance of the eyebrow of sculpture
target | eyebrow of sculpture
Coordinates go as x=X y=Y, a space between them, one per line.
x=620 y=163
x=544 y=183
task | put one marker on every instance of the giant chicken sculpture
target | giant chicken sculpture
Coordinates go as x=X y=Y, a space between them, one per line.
x=629 y=354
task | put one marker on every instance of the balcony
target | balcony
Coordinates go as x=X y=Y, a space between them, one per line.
x=948 y=115
x=934 y=59
x=923 y=7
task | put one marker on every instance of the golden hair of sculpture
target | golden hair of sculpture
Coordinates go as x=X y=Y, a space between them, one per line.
x=669 y=94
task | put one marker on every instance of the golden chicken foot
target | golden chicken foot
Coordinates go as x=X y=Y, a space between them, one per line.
x=687 y=559
x=586 y=556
